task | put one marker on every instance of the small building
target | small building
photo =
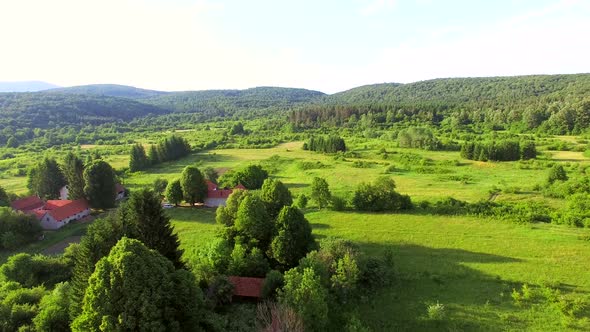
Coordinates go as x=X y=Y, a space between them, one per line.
x=247 y=287
x=217 y=196
x=58 y=213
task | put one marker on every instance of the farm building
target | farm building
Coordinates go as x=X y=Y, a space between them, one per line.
x=247 y=287
x=218 y=196
x=53 y=214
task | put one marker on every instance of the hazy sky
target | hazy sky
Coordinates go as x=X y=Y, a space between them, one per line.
x=322 y=45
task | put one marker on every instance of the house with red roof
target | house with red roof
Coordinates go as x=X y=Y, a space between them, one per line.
x=58 y=213
x=247 y=287
x=217 y=196
x=53 y=214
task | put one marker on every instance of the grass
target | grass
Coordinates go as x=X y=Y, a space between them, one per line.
x=467 y=264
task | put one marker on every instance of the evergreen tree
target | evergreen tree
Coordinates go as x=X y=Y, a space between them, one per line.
x=174 y=192
x=150 y=225
x=99 y=184
x=276 y=195
x=153 y=157
x=137 y=289
x=100 y=237
x=293 y=240
x=73 y=169
x=138 y=160
x=4 y=199
x=159 y=186
x=46 y=179
x=320 y=192
x=193 y=185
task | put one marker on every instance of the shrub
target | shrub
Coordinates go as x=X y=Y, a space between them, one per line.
x=436 y=311
x=338 y=203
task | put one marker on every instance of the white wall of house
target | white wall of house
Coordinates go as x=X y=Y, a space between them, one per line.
x=214 y=202
x=48 y=222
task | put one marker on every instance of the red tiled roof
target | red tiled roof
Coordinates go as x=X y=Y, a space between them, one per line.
x=240 y=186
x=213 y=191
x=69 y=209
x=53 y=204
x=27 y=203
x=247 y=287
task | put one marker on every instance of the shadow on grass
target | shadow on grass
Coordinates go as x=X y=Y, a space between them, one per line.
x=425 y=276
x=319 y=226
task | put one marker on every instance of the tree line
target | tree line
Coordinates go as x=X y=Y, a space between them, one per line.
x=503 y=150
x=330 y=144
x=168 y=149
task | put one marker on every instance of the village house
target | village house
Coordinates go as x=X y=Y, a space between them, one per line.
x=218 y=196
x=246 y=287
x=53 y=214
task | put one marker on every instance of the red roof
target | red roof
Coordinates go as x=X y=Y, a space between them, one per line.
x=213 y=191
x=210 y=185
x=247 y=287
x=240 y=186
x=62 y=209
x=27 y=203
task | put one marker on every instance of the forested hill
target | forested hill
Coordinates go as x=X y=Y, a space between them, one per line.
x=558 y=103
x=52 y=110
x=110 y=90
x=228 y=101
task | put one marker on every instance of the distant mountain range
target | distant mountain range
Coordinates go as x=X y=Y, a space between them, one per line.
x=26 y=86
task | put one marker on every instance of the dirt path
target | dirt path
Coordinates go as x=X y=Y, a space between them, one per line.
x=59 y=247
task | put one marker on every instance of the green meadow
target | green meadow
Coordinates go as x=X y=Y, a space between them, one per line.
x=473 y=266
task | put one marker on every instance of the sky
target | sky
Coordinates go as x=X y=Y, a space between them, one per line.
x=325 y=45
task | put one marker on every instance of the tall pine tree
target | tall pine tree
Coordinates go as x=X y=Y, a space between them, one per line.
x=73 y=169
x=46 y=179
x=99 y=184
x=138 y=160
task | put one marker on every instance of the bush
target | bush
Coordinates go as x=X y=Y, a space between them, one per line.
x=274 y=280
x=436 y=311
x=380 y=196
x=338 y=203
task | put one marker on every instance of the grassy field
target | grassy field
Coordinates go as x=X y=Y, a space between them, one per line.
x=469 y=265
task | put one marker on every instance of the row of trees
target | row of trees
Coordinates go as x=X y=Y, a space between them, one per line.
x=94 y=181
x=504 y=150
x=330 y=144
x=17 y=229
x=171 y=148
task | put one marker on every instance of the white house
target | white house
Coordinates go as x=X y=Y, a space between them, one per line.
x=58 y=213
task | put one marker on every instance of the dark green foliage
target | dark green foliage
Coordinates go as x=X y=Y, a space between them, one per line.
x=138 y=160
x=253 y=223
x=31 y=271
x=210 y=174
x=330 y=144
x=4 y=199
x=380 y=196
x=159 y=186
x=293 y=239
x=557 y=173
x=226 y=215
x=505 y=150
x=417 y=137
x=273 y=281
x=248 y=263
x=193 y=185
x=100 y=237
x=301 y=201
x=174 y=193
x=46 y=179
x=304 y=293
x=53 y=310
x=528 y=150
x=12 y=142
x=17 y=229
x=252 y=177
x=148 y=223
x=134 y=288
x=237 y=129
x=337 y=203
x=320 y=192
x=73 y=170
x=99 y=184
x=18 y=305
x=276 y=195
x=171 y=148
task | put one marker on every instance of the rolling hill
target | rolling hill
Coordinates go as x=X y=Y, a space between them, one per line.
x=109 y=90
x=25 y=86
